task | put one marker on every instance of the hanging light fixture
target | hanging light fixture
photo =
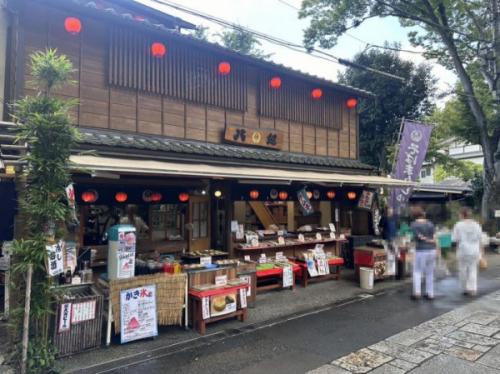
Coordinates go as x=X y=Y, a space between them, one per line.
x=273 y=194
x=217 y=193
x=156 y=197
x=224 y=68
x=158 y=49
x=283 y=195
x=351 y=195
x=254 y=194
x=316 y=93
x=73 y=25
x=183 y=197
x=330 y=194
x=275 y=82
x=316 y=194
x=121 y=197
x=351 y=103
x=309 y=195
x=89 y=196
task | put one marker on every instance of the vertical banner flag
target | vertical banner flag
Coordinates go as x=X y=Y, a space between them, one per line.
x=412 y=149
x=304 y=202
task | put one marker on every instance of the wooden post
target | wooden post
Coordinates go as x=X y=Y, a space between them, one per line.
x=26 y=323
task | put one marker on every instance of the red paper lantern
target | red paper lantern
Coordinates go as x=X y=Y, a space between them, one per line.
x=351 y=195
x=283 y=195
x=330 y=194
x=73 y=25
x=351 y=103
x=254 y=194
x=224 y=68
x=121 y=197
x=316 y=93
x=183 y=197
x=309 y=195
x=158 y=49
x=89 y=196
x=155 y=197
x=275 y=82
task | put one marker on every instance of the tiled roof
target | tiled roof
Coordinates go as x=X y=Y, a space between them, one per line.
x=202 y=151
x=128 y=17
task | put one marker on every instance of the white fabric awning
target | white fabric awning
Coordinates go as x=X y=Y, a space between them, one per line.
x=149 y=167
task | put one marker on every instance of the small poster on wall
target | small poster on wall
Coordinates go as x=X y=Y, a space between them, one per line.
x=304 y=202
x=366 y=200
x=138 y=313
x=287 y=276
x=55 y=258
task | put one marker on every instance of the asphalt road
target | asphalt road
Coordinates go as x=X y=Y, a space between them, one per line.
x=303 y=342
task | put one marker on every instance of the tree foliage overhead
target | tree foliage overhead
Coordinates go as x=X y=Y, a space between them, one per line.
x=244 y=42
x=461 y=34
x=380 y=122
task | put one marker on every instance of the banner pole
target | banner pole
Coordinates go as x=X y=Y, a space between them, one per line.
x=398 y=141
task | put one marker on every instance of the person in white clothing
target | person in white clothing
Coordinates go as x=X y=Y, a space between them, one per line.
x=467 y=233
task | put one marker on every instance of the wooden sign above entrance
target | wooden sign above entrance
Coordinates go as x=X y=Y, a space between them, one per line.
x=256 y=137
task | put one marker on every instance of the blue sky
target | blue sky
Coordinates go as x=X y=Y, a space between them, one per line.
x=276 y=18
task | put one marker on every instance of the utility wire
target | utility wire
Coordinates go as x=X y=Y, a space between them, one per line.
x=367 y=44
x=275 y=40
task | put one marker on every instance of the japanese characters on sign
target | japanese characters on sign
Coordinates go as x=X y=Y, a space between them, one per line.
x=83 y=311
x=366 y=200
x=412 y=150
x=138 y=313
x=304 y=202
x=287 y=276
x=257 y=137
x=55 y=259
x=65 y=318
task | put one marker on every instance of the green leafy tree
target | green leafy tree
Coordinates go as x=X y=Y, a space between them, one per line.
x=379 y=124
x=465 y=170
x=201 y=33
x=458 y=33
x=44 y=125
x=244 y=42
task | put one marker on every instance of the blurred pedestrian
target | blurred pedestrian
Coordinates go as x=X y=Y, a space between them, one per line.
x=425 y=254
x=467 y=233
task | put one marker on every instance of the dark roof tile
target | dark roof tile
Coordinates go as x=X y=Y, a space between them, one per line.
x=159 y=143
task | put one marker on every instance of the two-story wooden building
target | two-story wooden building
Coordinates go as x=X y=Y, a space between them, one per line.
x=188 y=135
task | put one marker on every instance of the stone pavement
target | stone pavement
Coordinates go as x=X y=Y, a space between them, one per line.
x=465 y=340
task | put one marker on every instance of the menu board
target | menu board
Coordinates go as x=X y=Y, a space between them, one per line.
x=138 y=313
x=287 y=276
x=83 y=311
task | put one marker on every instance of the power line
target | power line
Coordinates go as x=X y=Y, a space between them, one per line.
x=275 y=40
x=367 y=44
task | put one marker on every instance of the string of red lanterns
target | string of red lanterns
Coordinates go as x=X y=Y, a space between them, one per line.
x=73 y=25
x=121 y=197
x=90 y=196
x=183 y=197
x=158 y=49
x=254 y=194
x=351 y=195
x=224 y=68
x=330 y=194
x=283 y=195
x=275 y=82
x=351 y=103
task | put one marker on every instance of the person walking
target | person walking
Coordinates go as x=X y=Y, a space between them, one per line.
x=425 y=254
x=467 y=233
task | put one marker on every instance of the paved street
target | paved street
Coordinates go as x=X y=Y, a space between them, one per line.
x=305 y=342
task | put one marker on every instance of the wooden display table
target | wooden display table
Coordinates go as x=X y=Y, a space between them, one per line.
x=292 y=249
x=196 y=299
x=276 y=275
x=332 y=262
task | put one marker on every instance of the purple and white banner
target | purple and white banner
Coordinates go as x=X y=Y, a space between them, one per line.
x=412 y=149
